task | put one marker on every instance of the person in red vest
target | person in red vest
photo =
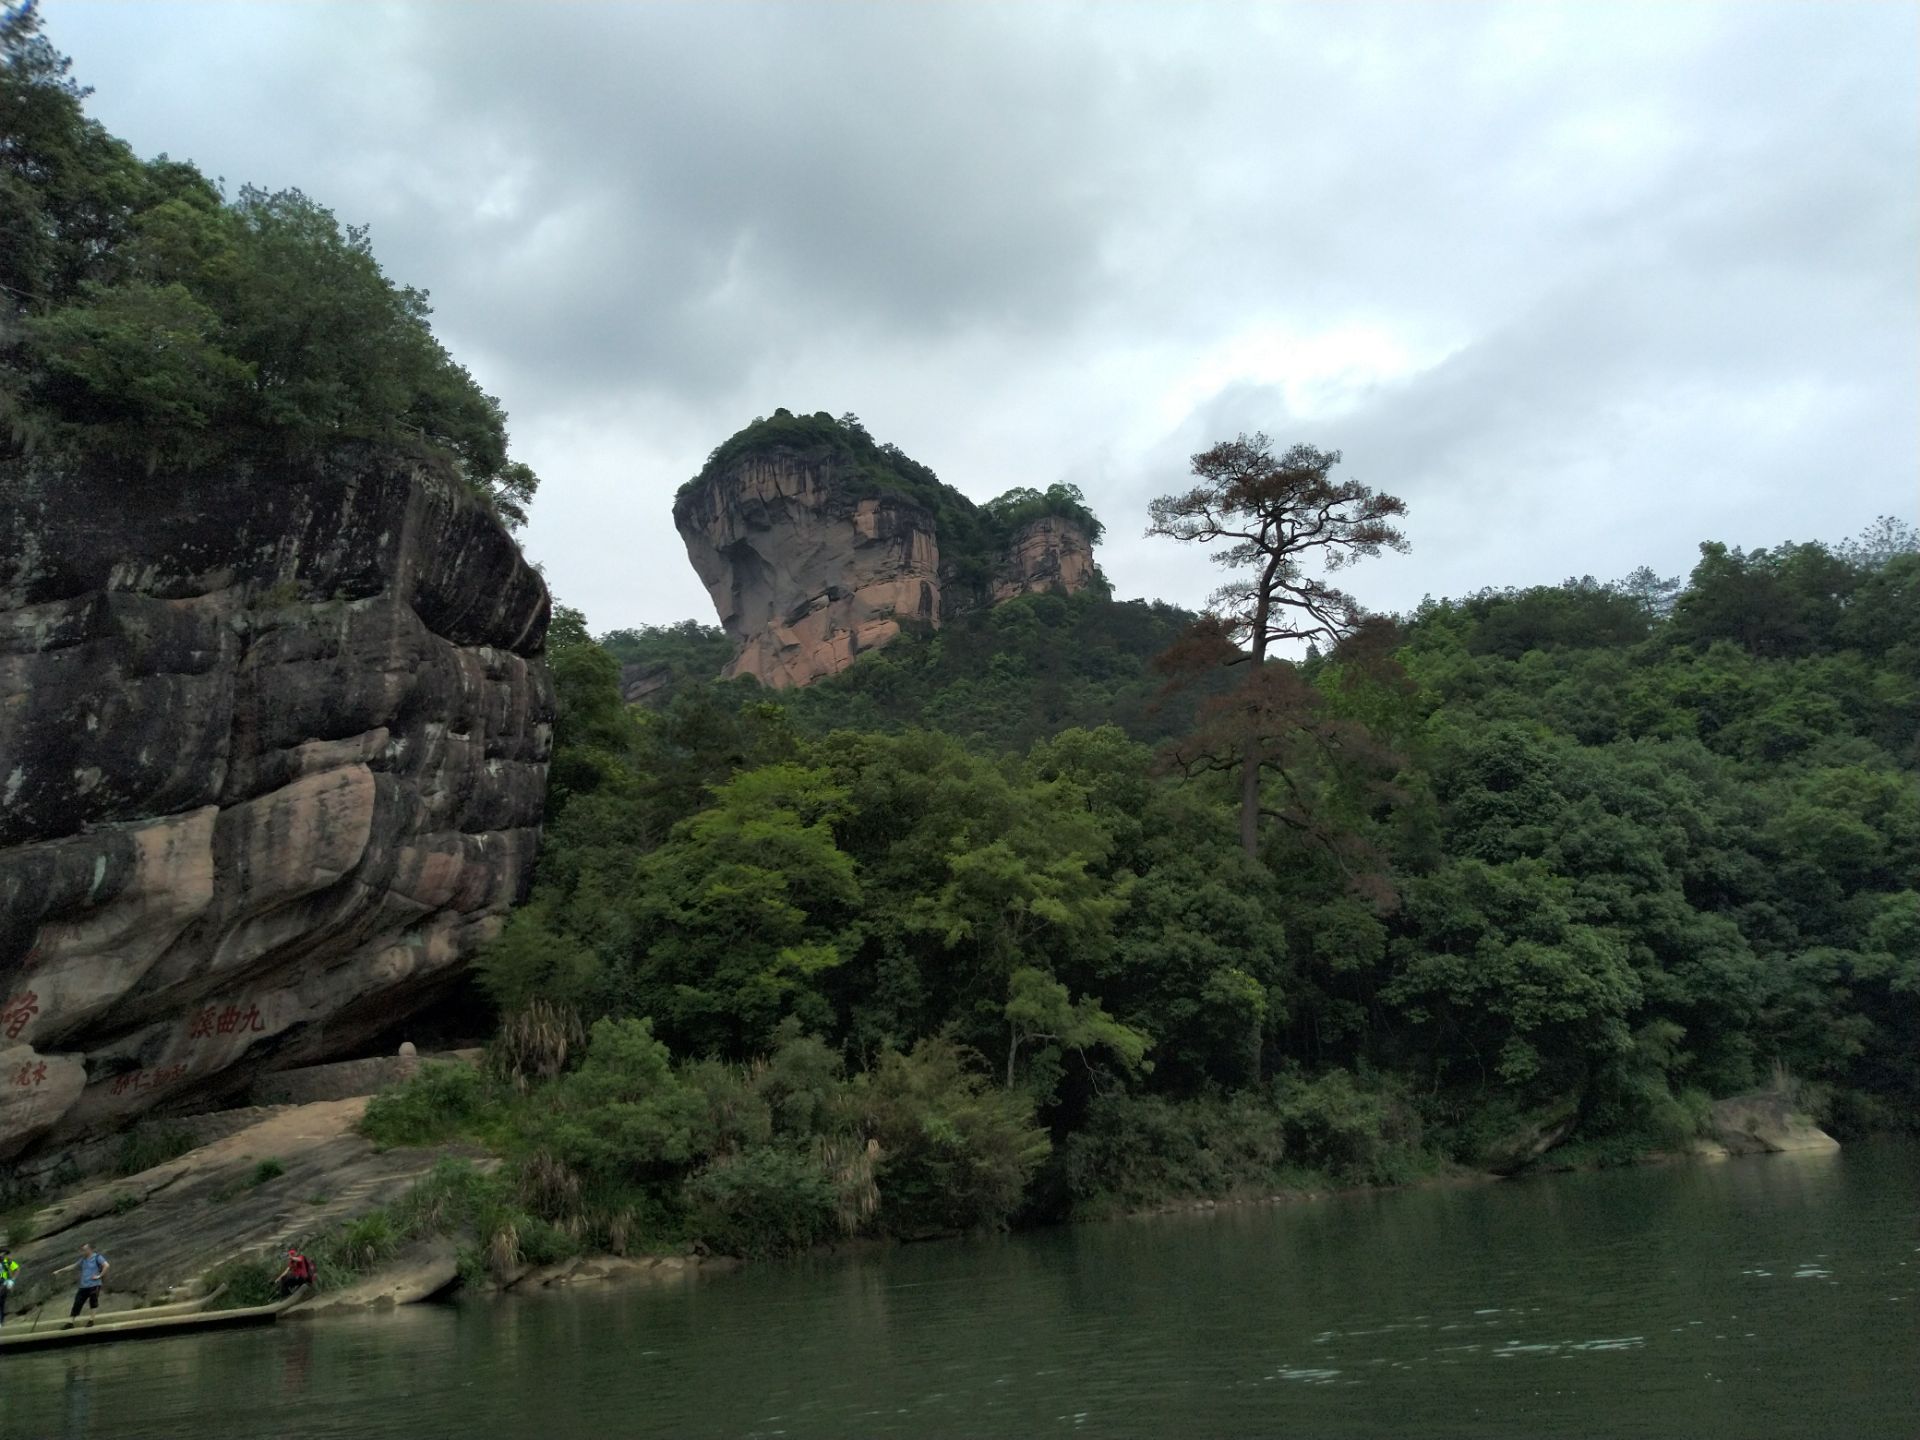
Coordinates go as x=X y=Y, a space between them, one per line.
x=299 y=1272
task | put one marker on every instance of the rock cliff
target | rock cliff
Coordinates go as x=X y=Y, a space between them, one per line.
x=805 y=572
x=273 y=754
x=1051 y=553
x=817 y=546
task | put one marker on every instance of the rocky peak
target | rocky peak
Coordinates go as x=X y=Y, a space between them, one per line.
x=805 y=572
x=817 y=545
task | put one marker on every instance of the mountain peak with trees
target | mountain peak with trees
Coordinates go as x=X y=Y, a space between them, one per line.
x=819 y=544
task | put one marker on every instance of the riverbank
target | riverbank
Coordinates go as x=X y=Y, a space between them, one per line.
x=223 y=1212
x=398 y=1224
x=281 y=1175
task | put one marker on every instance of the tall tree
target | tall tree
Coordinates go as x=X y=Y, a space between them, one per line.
x=1277 y=516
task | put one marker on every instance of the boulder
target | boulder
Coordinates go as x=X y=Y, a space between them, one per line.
x=1765 y=1123
x=424 y=1270
x=1530 y=1137
x=273 y=748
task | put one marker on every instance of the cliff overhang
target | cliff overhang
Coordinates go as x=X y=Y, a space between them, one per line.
x=273 y=749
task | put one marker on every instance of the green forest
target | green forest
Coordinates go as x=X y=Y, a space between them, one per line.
x=955 y=938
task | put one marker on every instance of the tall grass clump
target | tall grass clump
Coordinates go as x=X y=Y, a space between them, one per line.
x=146 y=1146
x=534 y=1044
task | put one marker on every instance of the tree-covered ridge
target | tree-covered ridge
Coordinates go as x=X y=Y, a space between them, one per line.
x=673 y=656
x=972 y=537
x=145 y=319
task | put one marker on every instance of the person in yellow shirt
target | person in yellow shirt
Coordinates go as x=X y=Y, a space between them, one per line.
x=9 y=1272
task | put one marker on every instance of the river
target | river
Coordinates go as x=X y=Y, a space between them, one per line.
x=1771 y=1296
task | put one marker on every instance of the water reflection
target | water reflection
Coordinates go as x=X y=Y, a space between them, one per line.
x=77 y=1395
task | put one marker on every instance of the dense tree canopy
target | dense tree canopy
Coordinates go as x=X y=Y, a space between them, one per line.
x=146 y=320
x=1626 y=853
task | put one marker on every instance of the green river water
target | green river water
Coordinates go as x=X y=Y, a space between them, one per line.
x=1772 y=1296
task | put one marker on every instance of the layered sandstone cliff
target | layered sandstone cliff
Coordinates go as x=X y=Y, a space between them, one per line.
x=1048 y=554
x=272 y=760
x=804 y=572
x=812 y=559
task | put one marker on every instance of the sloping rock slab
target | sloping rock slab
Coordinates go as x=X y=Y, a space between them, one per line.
x=169 y=1225
x=420 y=1273
x=1765 y=1124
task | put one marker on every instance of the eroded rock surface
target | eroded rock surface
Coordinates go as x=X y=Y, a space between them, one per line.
x=1765 y=1123
x=804 y=573
x=1049 y=554
x=272 y=760
x=807 y=572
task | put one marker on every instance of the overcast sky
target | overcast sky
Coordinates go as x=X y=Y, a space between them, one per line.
x=1584 y=284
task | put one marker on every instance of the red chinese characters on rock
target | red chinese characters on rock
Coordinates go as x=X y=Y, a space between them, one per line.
x=135 y=1082
x=212 y=1020
x=28 y=1075
x=18 y=1013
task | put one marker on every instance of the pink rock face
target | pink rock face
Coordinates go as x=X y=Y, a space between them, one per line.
x=272 y=763
x=802 y=576
x=1051 y=553
x=807 y=575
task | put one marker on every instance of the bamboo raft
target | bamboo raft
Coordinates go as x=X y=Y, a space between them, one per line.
x=186 y=1317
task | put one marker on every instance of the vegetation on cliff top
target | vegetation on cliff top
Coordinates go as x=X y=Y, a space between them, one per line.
x=972 y=537
x=147 y=320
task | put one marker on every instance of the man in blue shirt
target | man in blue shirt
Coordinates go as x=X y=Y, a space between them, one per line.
x=93 y=1270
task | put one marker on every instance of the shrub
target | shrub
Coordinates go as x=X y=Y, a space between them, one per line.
x=765 y=1201
x=955 y=1150
x=442 y=1100
x=1138 y=1151
x=268 y=1169
x=445 y=1199
x=16 y=1224
x=801 y=1083
x=623 y=1117
x=1361 y=1136
x=360 y=1245
x=736 y=1117
x=247 y=1282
